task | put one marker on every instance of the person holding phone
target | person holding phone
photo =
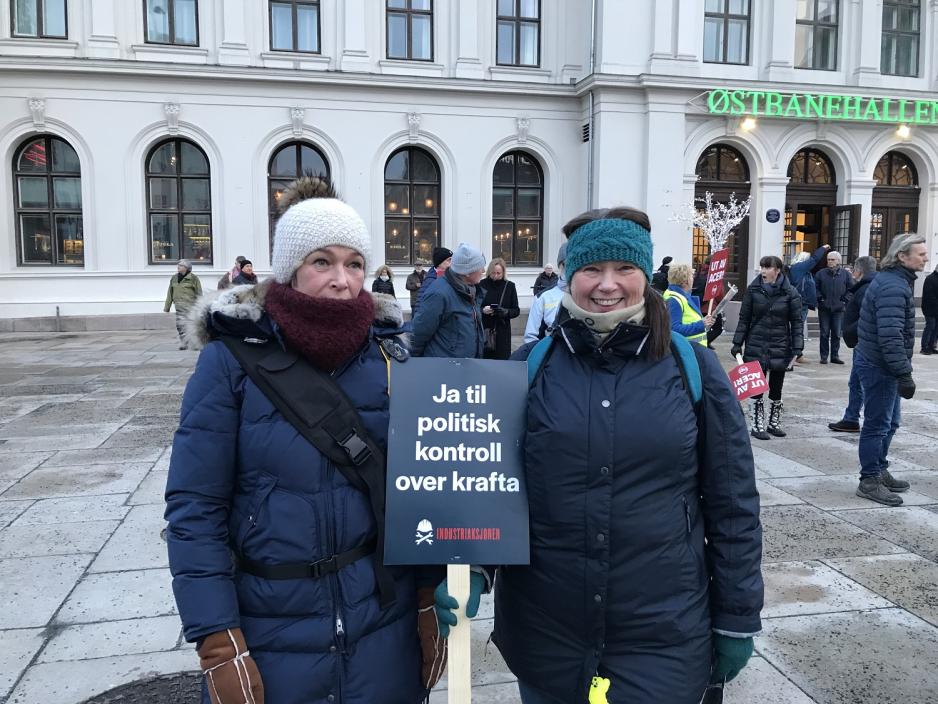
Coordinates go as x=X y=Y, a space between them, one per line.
x=499 y=306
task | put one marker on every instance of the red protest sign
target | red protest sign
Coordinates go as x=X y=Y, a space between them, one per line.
x=748 y=380
x=715 y=274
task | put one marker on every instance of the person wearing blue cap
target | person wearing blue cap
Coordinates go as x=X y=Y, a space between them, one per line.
x=644 y=516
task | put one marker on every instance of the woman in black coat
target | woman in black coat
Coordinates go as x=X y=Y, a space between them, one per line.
x=499 y=306
x=383 y=281
x=771 y=330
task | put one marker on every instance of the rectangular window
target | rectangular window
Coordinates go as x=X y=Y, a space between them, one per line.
x=172 y=22
x=43 y=19
x=901 y=36
x=518 y=33
x=726 y=31
x=410 y=29
x=816 y=28
x=295 y=26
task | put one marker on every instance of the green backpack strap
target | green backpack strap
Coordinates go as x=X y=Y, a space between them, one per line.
x=536 y=357
x=690 y=368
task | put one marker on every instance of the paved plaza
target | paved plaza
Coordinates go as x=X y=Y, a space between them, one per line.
x=86 y=423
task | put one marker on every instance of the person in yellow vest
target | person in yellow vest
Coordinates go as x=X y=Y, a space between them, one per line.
x=686 y=318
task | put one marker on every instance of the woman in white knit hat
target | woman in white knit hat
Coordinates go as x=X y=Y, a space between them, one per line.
x=305 y=612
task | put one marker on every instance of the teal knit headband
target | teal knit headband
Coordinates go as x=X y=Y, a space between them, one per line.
x=609 y=240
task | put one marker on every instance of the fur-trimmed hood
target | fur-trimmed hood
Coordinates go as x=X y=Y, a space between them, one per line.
x=246 y=303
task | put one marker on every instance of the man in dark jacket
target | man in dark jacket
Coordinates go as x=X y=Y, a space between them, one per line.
x=545 y=281
x=800 y=276
x=246 y=277
x=832 y=284
x=449 y=320
x=864 y=271
x=930 y=311
x=442 y=257
x=414 y=282
x=883 y=358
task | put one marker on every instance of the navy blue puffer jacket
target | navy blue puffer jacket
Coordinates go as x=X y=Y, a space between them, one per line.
x=887 y=321
x=621 y=580
x=449 y=320
x=243 y=479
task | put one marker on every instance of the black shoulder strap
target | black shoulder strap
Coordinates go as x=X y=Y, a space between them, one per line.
x=314 y=404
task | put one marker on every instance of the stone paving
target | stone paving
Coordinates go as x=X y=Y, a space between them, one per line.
x=86 y=423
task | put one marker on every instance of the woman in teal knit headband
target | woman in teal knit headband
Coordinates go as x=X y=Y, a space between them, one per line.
x=645 y=535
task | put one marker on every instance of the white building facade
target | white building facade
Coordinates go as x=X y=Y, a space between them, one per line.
x=136 y=133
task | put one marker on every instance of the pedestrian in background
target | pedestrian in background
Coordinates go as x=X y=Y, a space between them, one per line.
x=225 y=281
x=545 y=281
x=246 y=277
x=864 y=271
x=383 y=282
x=799 y=273
x=499 y=307
x=184 y=289
x=930 y=311
x=645 y=546
x=660 y=279
x=683 y=307
x=832 y=284
x=449 y=318
x=442 y=257
x=883 y=358
x=769 y=332
x=413 y=284
x=544 y=307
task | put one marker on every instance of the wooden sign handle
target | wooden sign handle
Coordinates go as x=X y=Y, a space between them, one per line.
x=459 y=658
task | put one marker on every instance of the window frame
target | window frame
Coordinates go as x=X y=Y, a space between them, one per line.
x=294 y=4
x=50 y=210
x=40 y=22
x=808 y=153
x=409 y=13
x=726 y=16
x=172 y=27
x=898 y=34
x=517 y=20
x=297 y=144
x=510 y=261
x=179 y=212
x=815 y=24
x=411 y=217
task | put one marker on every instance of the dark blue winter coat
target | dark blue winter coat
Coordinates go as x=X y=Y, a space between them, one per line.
x=832 y=287
x=448 y=321
x=887 y=321
x=852 y=312
x=243 y=479
x=621 y=580
x=800 y=276
x=427 y=280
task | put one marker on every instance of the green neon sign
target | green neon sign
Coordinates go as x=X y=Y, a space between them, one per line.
x=814 y=106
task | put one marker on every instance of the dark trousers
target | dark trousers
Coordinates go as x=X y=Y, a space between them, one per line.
x=831 y=329
x=855 y=398
x=776 y=381
x=930 y=336
x=881 y=415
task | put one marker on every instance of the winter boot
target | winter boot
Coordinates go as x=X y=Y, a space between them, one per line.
x=757 y=415
x=893 y=484
x=845 y=426
x=872 y=488
x=775 y=419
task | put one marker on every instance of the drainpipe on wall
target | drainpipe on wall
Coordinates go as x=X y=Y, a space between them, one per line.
x=592 y=140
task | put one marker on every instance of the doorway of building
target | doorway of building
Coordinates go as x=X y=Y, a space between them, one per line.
x=895 y=201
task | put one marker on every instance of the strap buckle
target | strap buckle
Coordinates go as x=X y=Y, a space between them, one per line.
x=322 y=567
x=355 y=448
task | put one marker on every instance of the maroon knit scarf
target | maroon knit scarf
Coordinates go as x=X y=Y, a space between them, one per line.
x=324 y=330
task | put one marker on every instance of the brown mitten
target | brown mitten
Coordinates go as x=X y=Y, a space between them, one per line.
x=432 y=645
x=230 y=673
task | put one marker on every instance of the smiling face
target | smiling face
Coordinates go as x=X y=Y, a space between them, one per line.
x=248 y=269
x=603 y=287
x=332 y=272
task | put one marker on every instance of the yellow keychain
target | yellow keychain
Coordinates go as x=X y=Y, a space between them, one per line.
x=598 y=691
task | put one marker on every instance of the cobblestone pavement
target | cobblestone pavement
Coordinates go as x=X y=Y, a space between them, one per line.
x=86 y=423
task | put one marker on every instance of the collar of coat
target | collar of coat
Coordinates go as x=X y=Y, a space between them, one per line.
x=909 y=275
x=625 y=341
x=463 y=289
x=782 y=285
x=243 y=306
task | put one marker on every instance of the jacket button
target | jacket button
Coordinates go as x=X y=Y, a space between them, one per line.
x=598 y=598
x=330 y=698
x=332 y=648
x=605 y=403
x=604 y=470
x=601 y=538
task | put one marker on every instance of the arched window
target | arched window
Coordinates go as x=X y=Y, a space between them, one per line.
x=721 y=162
x=179 y=203
x=517 y=209
x=47 y=203
x=895 y=169
x=289 y=162
x=812 y=167
x=411 y=206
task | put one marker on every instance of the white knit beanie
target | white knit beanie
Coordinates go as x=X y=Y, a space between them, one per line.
x=312 y=224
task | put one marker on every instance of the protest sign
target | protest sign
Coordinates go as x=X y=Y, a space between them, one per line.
x=455 y=487
x=747 y=379
x=715 y=274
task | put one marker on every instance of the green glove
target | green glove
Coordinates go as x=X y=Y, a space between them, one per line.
x=730 y=655
x=445 y=603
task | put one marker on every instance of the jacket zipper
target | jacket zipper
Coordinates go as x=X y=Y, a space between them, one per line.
x=687 y=515
x=338 y=619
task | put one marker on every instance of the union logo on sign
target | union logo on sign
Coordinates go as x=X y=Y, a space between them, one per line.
x=424 y=532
